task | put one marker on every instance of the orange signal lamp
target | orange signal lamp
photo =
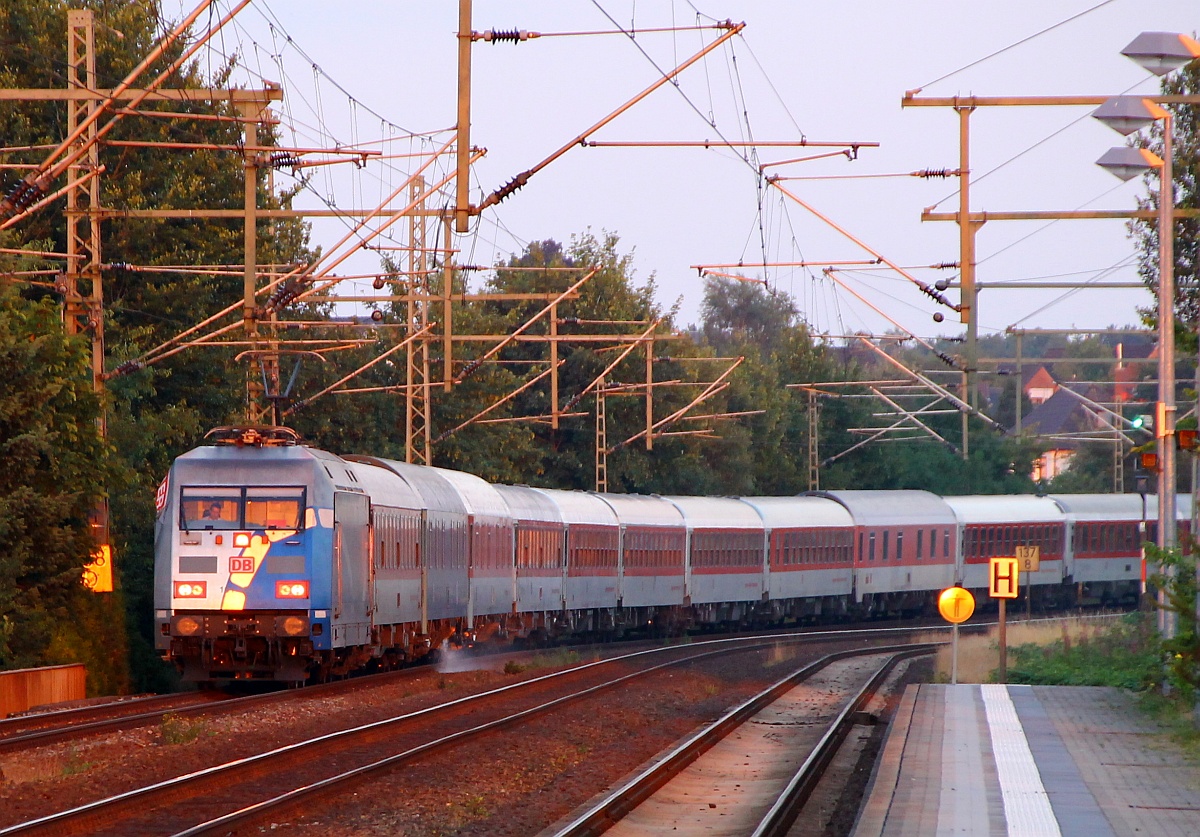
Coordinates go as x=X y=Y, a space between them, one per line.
x=291 y=589
x=190 y=589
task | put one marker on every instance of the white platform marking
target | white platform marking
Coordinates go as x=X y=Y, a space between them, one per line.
x=1026 y=805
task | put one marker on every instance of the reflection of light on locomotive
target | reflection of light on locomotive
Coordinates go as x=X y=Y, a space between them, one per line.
x=314 y=565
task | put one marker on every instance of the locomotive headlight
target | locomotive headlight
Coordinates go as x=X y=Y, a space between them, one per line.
x=187 y=626
x=291 y=589
x=292 y=626
x=190 y=589
x=241 y=539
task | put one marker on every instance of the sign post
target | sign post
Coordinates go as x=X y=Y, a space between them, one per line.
x=956 y=605
x=1030 y=558
x=1002 y=585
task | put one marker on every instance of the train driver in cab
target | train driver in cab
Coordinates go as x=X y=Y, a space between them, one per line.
x=212 y=514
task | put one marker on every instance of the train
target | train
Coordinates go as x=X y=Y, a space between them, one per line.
x=276 y=561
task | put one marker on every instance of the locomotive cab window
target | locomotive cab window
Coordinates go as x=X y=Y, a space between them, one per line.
x=274 y=508
x=219 y=507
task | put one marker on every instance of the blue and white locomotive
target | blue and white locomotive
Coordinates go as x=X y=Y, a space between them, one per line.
x=277 y=561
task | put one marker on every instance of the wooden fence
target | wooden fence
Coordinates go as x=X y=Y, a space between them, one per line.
x=26 y=688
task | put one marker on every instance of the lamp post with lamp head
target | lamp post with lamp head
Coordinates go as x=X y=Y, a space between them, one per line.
x=1160 y=53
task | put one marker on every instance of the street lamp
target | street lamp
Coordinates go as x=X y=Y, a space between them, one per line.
x=1160 y=53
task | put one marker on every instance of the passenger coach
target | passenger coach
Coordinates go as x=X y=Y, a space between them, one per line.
x=994 y=526
x=906 y=544
x=810 y=554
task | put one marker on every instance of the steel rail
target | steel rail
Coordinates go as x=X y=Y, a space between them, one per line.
x=71 y=724
x=604 y=814
x=778 y=820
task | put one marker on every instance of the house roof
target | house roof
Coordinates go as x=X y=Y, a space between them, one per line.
x=1041 y=379
x=1061 y=413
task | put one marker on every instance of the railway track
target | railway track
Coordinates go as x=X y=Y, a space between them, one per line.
x=50 y=728
x=680 y=793
x=229 y=796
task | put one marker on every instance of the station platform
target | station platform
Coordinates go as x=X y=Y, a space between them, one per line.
x=1028 y=761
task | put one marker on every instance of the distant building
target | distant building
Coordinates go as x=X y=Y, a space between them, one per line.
x=1040 y=386
x=1055 y=419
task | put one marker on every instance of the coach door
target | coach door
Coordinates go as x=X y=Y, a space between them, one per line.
x=352 y=567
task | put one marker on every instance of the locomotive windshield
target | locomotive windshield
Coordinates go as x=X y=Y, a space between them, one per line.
x=219 y=507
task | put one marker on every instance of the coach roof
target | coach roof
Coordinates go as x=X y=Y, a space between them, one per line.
x=893 y=508
x=799 y=512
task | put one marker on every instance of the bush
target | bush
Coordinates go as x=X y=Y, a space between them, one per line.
x=175 y=729
x=1125 y=655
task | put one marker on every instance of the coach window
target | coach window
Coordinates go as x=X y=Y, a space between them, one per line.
x=946 y=543
x=900 y=546
x=871 y=547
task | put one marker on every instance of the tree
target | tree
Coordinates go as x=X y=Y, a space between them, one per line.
x=744 y=312
x=1176 y=579
x=1186 y=164
x=53 y=469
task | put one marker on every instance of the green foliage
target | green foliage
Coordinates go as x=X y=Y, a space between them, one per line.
x=1124 y=655
x=53 y=468
x=74 y=764
x=1176 y=579
x=177 y=729
x=1186 y=163
x=560 y=658
x=1131 y=654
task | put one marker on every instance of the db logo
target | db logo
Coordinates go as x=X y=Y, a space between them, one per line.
x=241 y=565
